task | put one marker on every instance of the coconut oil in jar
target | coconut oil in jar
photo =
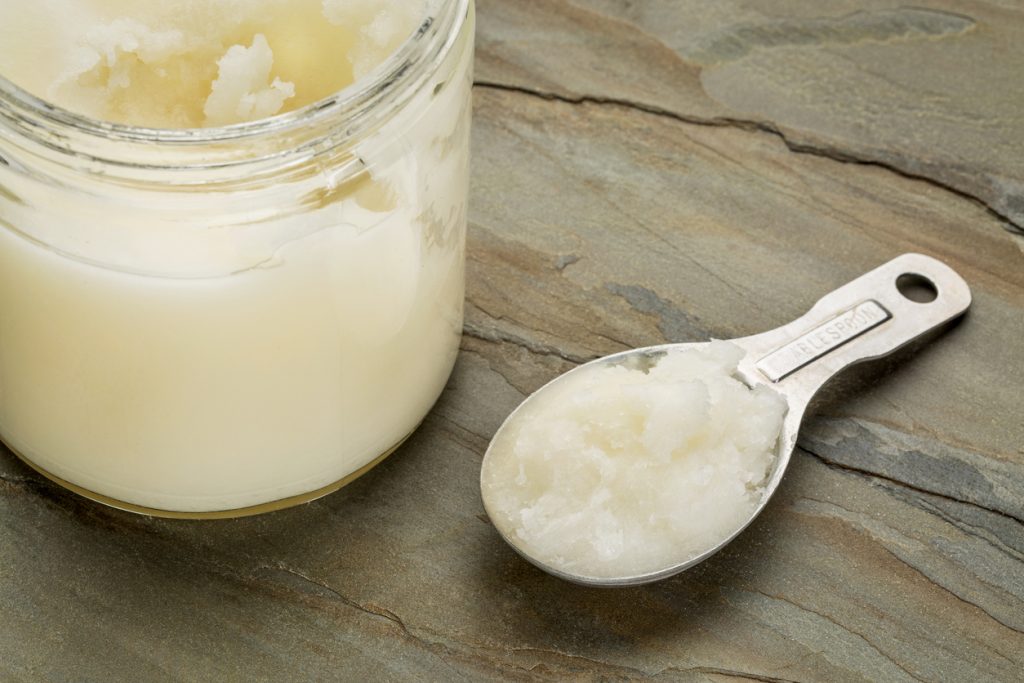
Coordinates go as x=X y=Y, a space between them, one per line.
x=231 y=241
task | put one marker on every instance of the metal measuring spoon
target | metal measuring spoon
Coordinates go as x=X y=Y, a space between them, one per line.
x=868 y=318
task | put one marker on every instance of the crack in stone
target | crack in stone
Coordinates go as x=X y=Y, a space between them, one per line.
x=493 y=368
x=458 y=432
x=905 y=485
x=920 y=572
x=495 y=335
x=843 y=627
x=800 y=660
x=958 y=597
x=385 y=614
x=433 y=646
x=746 y=675
x=370 y=609
x=618 y=342
x=567 y=655
x=754 y=125
x=973 y=531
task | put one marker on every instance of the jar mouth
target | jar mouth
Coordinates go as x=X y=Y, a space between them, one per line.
x=341 y=114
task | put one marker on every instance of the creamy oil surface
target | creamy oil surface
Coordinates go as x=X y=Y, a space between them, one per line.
x=192 y=63
x=621 y=471
x=202 y=350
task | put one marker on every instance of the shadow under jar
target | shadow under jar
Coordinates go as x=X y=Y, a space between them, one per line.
x=217 y=322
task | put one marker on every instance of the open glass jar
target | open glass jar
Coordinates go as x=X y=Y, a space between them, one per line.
x=216 y=322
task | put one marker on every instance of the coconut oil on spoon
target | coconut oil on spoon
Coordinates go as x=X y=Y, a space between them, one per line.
x=634 y=467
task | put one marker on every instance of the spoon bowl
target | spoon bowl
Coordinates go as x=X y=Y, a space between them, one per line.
x=868 y=318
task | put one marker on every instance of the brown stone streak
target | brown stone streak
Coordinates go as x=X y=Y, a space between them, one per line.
x=841 y=626
x=959 y=598
x=798 y=147
x=674 y=247
x=490 y=299
x=434 y=648
x=800 y=660
x=484 y=652
x=490 y=364
x=743 y=675
x=475 y=330
x=605 y=666
x=919 y=572
x=478 y=443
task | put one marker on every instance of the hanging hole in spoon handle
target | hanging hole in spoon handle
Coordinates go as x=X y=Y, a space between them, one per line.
x=870 y=317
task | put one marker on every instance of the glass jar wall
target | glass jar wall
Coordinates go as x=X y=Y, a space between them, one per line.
x=223 y=321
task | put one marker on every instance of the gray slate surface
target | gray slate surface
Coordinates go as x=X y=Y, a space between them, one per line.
x=666 y=170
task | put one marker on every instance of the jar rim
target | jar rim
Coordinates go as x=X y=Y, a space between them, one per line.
x=37 y=117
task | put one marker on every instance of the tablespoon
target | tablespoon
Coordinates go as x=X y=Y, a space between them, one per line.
x=868 y=318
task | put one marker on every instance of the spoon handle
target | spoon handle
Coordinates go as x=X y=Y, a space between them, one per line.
x=867 y=318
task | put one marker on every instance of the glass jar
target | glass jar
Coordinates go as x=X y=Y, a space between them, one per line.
x=216 y=322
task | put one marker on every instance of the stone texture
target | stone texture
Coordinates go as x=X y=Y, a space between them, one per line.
x=643 y=172
x=930 y=91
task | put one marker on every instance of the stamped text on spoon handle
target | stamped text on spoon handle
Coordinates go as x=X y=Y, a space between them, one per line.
x=825 y=337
